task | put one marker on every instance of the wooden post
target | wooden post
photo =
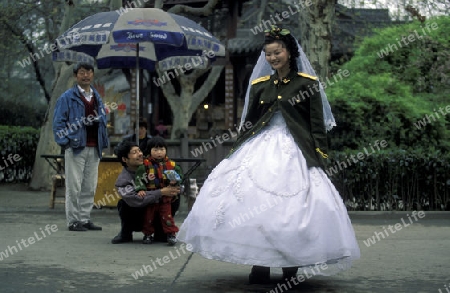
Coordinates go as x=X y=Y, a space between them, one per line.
x=133 y=94
x=230 y=105
x=229 y=96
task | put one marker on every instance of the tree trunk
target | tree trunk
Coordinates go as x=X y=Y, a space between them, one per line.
x=315 y=26
x=159 y=4
x=42 y=171
x=206 y=10
x=185 y=104
x=181 y=110
x=115 y=4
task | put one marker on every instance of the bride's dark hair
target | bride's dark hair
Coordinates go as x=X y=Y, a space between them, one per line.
x=283 y=36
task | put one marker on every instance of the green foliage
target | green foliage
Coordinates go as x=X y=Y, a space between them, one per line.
x=396 y=80
x=416 y=53
x=25 y=25
x=393 y=180
x=27 y=31
x=391 y=87
x=22 y=114
x=20 y=141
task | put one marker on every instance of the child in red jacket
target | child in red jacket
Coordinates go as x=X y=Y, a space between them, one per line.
x=157 y=172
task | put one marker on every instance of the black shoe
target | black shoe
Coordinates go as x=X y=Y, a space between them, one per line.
x=90 y=226
x=148 y=239
x=77 y=226
x=289 y=272
x=259 y=275
x=121 y=239
x=171 y=239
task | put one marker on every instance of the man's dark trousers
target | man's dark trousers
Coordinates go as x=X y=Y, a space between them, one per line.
x=132 y=220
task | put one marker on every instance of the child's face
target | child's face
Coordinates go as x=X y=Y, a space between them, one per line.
x=158 y=153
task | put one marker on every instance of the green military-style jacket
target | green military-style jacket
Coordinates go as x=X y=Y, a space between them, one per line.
x=298 y=99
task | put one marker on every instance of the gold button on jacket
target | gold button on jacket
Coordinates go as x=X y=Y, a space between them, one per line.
x=298 y=99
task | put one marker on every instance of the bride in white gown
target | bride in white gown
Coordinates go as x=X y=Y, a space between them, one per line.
x=269 y=203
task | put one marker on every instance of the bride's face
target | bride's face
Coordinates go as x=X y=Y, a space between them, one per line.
x=277 y=56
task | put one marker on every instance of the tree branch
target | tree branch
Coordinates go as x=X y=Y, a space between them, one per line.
x=115 y=5
x=159 y=4
x=208 y=85
x=202 y=11
x=261 y=11
x=32 y=51
x=67 y=18
x=168 y=91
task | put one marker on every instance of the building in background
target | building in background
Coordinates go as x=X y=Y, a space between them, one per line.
x=234 y=23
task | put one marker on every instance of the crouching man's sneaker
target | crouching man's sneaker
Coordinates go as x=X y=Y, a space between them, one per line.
x=77 y=226
x=148 y=239
x=90 y=226
x=122 y=239
x=171 y=239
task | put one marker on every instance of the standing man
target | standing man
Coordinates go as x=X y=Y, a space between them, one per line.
x=79 y=127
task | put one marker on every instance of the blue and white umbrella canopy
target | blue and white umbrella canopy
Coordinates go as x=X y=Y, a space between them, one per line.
x=111 y=38
x=150 y=35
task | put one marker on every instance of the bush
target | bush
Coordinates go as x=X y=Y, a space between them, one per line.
x=391 y=87
x=22 y=114
x=393 y=180
x=18 y=150
x=384 y=98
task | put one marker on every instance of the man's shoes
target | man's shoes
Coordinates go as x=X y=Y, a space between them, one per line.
x=259 y=275
x=171 y=239
x=148 y=239
x=77 y=226
x=122 y=239
x=90 y=226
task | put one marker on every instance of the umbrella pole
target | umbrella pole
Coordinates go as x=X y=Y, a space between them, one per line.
x=137 y=95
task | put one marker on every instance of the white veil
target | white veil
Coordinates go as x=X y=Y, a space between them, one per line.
x=263 y=68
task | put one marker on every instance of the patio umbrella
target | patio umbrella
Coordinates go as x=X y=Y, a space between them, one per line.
x=138 y=38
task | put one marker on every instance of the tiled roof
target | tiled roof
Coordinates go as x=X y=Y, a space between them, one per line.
x=245 y=42
x=350 y=24
x=353 y=23
x=367 y=15
x=240 y=45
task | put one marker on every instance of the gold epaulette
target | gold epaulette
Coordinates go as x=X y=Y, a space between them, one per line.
x=263 y=78
x=307 y=76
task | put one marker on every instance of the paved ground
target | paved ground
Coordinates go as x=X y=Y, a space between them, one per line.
x=414 y=259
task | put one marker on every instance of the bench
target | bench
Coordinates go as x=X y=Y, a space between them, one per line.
x=58 y=180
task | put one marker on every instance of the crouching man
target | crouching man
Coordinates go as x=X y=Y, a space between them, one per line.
x=132 y=207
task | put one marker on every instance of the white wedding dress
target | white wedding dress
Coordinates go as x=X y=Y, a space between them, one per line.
x=263 y=206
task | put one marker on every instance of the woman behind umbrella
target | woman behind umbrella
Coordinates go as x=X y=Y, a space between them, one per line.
x=270 y=204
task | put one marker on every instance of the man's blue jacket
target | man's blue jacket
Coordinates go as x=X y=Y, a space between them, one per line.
x=69 y=121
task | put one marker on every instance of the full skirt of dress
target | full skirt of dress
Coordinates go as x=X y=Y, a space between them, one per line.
x=264 y=206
